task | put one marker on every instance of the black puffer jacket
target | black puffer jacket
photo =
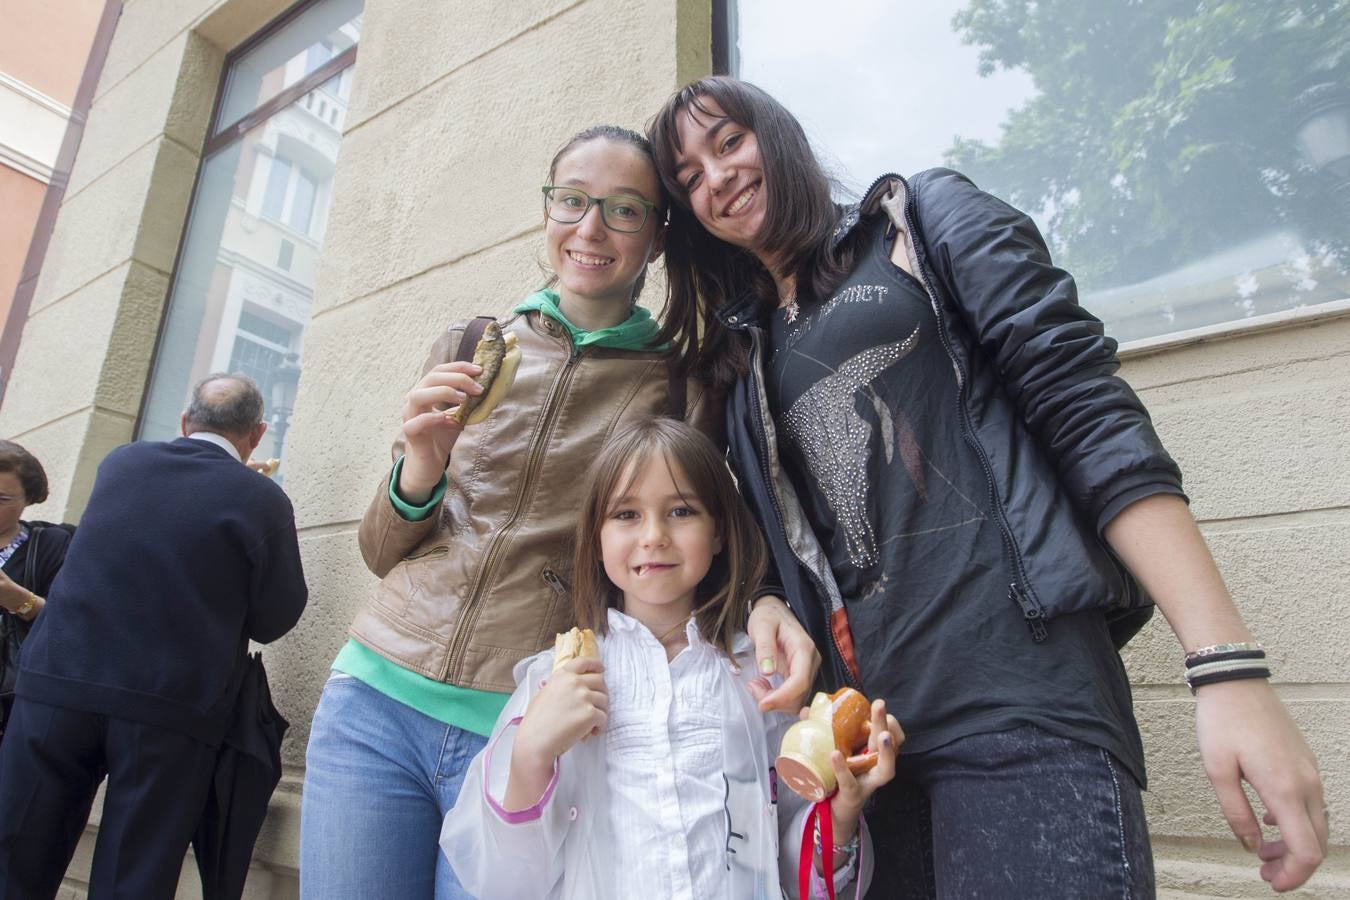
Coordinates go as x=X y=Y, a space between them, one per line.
x=1064 y=443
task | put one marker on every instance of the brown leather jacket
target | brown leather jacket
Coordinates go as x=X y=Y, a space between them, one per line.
x=466 y=594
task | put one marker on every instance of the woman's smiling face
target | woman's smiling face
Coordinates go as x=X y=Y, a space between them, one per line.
x=719 y=168
x=594 y=262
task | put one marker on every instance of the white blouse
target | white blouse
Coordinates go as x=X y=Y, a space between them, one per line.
x=674 y=799
x=664 y=749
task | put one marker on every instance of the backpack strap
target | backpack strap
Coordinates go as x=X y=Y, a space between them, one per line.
x=473 y=333
x=677 y=387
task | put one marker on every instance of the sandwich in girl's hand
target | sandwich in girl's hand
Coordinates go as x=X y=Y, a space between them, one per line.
x=574 y=644
x=498 y=355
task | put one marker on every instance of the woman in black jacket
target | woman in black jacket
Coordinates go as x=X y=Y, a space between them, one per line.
x=31 y=553
x=968 y=510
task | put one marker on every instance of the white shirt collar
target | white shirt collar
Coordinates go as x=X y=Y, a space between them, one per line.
x=741 y=645
x=620 y=621
x=219 y=440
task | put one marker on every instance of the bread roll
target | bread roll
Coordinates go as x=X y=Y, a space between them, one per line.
x=574 y=644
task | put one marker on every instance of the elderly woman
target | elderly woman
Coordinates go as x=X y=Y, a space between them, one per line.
x=31 y=553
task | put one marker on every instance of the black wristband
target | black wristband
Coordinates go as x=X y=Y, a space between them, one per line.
x=1235 y=675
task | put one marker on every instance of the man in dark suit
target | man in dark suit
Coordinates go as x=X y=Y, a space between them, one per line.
x=183 y=555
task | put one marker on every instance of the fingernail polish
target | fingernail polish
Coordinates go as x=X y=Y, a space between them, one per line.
x=766 y=667
x=1250 y=843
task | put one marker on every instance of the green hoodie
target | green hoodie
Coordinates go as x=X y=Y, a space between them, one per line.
x=637 y=332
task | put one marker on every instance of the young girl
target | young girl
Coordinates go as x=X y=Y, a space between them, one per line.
x=950 y=477
x=473 y=553
x=647 y=773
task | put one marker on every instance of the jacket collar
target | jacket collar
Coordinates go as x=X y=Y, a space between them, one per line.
x=888 y=192
x=741 y=314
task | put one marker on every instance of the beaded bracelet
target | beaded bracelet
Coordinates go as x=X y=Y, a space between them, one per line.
x=849 y=852
x=1224 y=648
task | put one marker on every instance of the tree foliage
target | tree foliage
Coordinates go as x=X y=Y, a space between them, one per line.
x=1162 y=130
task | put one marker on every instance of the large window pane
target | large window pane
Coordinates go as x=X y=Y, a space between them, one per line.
x=1188 y=161
x=305 y=43
x=242 y=290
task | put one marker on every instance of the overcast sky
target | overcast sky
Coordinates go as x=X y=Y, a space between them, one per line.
x=879 y=86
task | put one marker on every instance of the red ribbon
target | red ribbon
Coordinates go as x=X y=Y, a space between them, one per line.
x=819 y=816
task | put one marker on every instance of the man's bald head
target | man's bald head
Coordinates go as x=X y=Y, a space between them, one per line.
x=228 y=405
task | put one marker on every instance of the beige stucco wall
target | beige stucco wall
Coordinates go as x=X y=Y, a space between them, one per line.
x=450 y=128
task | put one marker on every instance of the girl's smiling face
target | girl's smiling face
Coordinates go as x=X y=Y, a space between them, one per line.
x=598 y=267
x=657 y=542
x=720 y=170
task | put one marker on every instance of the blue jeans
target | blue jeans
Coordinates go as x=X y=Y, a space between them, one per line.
x=379 y=778
x=1012 y=814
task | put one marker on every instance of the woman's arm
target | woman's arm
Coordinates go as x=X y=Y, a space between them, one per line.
x=783 y=646
x=1051 y=355
x=15 y=597
x=393 y=524
x=1244 y=731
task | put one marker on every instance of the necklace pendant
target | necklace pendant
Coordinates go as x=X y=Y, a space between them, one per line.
x=792 y=310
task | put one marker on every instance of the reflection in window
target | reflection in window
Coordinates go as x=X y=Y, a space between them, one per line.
x=242 y=289
x=278 y=179
x=302 y=202
x=318 y=33
x=1178 y=156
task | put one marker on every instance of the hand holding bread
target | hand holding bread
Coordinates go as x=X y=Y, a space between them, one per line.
x=497 y=356
x=571 y=704
x=448 y=397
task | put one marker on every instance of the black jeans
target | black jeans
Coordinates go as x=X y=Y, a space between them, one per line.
x=1007 y=815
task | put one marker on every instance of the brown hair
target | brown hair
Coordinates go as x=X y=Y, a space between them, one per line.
x=722 y=600
x=32 y=477
x=704 y=273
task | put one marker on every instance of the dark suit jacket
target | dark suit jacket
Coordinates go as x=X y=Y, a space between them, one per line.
x=182 y=554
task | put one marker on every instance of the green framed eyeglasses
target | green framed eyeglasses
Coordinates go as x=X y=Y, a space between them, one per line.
x=620 y=212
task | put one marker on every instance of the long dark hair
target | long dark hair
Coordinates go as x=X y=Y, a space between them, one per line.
x=705 y=273
x=722 y=600
x=615 y=134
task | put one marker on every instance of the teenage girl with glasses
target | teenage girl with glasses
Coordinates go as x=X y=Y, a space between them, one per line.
x=647 y=773
x=469 y=532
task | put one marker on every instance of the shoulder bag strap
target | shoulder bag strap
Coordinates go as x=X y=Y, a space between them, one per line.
x=30 y=561
x=677 y=386
x=468 y=342
x=473 y=333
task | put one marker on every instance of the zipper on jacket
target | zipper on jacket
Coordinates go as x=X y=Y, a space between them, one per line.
x=532 y=464
x=760 y=437
x=554 y=580
x=1032 y=611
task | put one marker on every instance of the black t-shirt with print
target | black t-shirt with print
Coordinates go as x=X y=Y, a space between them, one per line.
x=866 y=399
